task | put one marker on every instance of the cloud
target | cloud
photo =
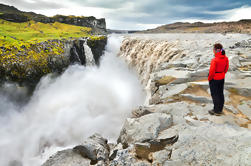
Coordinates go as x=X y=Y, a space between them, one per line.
x=127 y=14
x=30 y=5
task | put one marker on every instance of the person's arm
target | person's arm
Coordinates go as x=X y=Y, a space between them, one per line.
x=212 y=70
x=226 y=69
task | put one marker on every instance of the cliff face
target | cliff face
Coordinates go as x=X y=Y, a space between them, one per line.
x=11 y=13
x=28 y=64
x=242 y=26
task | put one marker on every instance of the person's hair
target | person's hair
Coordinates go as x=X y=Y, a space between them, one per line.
x=219 y=47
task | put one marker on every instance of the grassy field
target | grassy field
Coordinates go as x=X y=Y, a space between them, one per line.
x=16 y=34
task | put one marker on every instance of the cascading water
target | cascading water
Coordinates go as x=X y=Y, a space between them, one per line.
x=88 y=55
x=146 y=54
x=65 y=110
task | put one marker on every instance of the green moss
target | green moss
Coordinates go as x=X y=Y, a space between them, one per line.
x=30 y=57
x=101 y=37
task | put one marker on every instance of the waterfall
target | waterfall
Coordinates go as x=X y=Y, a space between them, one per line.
x=146 y=55
x=89 y=59
x=63 y=111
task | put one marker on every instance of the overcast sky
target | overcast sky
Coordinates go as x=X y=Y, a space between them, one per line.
x=141 y=14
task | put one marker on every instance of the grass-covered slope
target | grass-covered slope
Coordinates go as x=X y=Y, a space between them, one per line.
x=15 y=34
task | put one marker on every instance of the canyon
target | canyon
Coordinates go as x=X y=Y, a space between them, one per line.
x=173 y=127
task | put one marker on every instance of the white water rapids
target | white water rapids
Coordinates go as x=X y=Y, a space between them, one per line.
x=65 y=110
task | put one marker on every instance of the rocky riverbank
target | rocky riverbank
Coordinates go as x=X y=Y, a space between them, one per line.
x=175 y=127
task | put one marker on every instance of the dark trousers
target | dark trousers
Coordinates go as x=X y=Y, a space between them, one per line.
x=216 y=89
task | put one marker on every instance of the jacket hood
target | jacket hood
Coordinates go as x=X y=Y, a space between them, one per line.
x=219 y=55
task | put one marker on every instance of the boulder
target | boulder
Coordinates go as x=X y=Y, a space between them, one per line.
x=144 y=128
x=147 y=147
x=158 y=158
x=67 y=158
x=126 y=157
x=94 y=148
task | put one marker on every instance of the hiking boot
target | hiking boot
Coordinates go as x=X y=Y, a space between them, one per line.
x=212 y=112
x=218 y=113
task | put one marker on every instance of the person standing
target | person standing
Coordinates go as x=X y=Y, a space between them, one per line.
x=216 y=77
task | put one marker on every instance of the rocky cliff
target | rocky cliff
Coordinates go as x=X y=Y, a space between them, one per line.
x=242 y=26
x=11 y=13
x=175 y=127
x=28 y=64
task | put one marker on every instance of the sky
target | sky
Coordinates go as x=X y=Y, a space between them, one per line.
x=141 y=14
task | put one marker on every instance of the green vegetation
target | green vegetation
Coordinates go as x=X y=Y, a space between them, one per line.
x=28 y=47
x=16 y=34
x=70 y=16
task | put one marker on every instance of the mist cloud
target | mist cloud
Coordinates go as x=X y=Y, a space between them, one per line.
x=64 y=111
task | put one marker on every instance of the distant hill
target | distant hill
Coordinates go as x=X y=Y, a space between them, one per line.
x=110 y=31
x=10 y=13
x=242 y=26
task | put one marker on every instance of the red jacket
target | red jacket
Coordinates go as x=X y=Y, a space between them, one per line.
x=219 y=67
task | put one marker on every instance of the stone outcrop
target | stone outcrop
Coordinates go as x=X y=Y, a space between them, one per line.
x=67 y=158
x=94 y=150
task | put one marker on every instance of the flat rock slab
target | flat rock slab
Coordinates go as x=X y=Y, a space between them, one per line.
x=212 y=144
x=245 y=108
x=173 y=90
x=200 y=99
